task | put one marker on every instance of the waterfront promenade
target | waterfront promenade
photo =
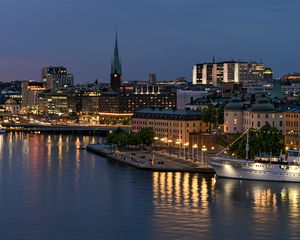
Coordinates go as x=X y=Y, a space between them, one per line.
x=149 y=160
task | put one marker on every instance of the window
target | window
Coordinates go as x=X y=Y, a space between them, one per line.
x=258 y=124
x=267 y=115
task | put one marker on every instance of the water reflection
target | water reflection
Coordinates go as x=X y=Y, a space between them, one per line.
x=190 y=205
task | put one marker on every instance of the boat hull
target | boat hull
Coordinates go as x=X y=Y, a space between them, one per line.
x=262 y=174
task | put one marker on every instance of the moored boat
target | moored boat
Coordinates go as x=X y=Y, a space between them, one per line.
x=285 y=168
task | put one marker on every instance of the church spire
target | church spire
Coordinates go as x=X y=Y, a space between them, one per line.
x=116 y=69
x=116 y=63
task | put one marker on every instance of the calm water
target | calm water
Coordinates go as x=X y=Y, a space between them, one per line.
x=51 y=190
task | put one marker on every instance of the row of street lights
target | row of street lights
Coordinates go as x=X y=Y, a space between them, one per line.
x=185 y=146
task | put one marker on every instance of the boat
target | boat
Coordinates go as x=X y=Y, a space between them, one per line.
x=2 y=130
x=285 y=168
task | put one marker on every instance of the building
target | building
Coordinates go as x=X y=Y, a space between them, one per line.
x=238 y=117
x=56 y=77
x=291 y=78
x=185 y=97
x=170 y=126
x=292 y=129
x=12 y=106
x=268 y=74
x=129 y=102
x=30 y=92
x=90 y=101
x=116 y=69
x=227 y=71
x=152 y=78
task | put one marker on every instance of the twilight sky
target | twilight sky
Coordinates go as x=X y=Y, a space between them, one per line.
x=162 y=36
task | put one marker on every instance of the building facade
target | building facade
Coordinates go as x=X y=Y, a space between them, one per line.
x=170 y=126
x=230 y=71
x=56 y=77
x=239 y=118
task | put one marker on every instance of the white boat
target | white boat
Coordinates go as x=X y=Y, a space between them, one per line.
x=282 y=168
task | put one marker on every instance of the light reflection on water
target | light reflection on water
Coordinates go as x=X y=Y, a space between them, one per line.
x=49 y=189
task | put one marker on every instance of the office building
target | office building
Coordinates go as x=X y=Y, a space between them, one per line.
x=56 y=78
x=228 y=71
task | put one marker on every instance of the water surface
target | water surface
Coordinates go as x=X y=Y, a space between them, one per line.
x=51 y=190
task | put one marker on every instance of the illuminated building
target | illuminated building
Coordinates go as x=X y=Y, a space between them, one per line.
x=291 y=78
x=56 y=77
x=238 y=118
x=131 y=102
x=227 y=71
x=54 y=102
x=90 y=102
x=30 y=91
x=268 y=74
x=292 y=128
x=169 y=125
x=12 y=106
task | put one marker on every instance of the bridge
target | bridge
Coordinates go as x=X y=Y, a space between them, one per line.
x=101 y=130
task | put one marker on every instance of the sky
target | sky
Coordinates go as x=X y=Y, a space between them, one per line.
x=166 y=37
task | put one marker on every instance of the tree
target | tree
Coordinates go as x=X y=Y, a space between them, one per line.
x=146 y=136
x=265 y=141
x=210 y=115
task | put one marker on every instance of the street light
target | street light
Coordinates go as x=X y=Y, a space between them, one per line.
x=195 y=147
x=169 y=142
x=178 y=143
x=185 y=145
x=203 y=149
x=155 y=143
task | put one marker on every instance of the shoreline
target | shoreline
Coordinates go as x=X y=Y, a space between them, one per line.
x=128 y=159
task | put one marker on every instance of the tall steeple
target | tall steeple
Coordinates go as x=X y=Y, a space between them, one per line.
x=116 y=68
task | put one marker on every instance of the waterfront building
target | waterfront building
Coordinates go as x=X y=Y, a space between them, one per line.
x=171 y=126
x=227 y=71
x=116 y=69
x=30 y=91
x=53 y=102
x=56 y=78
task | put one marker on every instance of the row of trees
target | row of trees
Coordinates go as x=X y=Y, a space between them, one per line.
x=267 y=140
x=121 y=138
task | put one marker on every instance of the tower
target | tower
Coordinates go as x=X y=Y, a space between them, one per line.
x=116 y=69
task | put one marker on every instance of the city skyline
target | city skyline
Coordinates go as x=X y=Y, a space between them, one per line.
x=152 y=36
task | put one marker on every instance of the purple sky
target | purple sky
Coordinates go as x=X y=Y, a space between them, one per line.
x=162 y=36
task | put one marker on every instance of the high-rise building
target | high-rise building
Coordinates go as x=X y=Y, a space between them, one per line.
x=152 y=78
x=116 y=69
x=227 y=71
x=56 y=77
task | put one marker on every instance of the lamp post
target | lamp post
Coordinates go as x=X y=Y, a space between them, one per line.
x=195 y=147
x=155 y=143
x=162 y=140
x=178 y=146
x=169 y=142
x=203 y=150
x=185 y=145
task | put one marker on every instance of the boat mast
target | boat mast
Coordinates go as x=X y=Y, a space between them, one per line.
x=247 y=145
